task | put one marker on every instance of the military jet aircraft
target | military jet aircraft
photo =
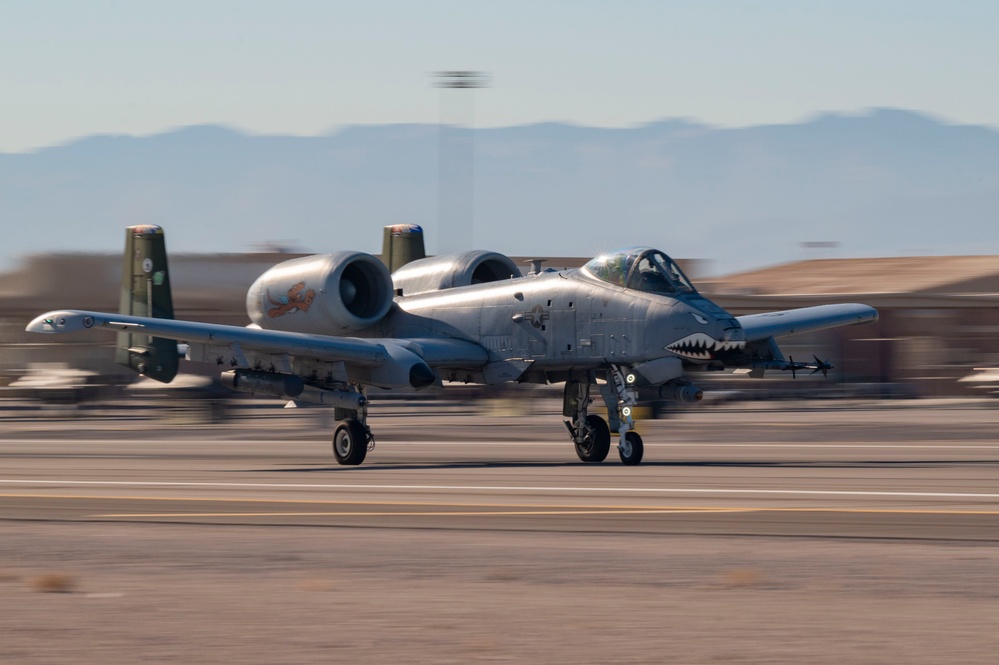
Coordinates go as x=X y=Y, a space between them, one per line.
x=628 y=324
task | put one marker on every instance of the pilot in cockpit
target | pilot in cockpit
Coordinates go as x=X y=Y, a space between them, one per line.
x=611 y=268
x=641 y=269
x=647 y=277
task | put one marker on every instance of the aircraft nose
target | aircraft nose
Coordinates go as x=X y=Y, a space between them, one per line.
x=732 y=330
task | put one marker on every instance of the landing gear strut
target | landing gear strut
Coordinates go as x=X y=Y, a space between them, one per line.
x=352 y=438
x=589 y=432
x=621 y=392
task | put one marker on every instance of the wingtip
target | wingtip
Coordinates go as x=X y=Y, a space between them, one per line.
x=60 y=321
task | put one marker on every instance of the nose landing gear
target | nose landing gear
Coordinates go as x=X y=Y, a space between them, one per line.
x=620 y=390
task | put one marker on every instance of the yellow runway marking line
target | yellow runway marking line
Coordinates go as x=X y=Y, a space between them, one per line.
x=450 y=513
x=565 y=512
x=487 y=508
x=426 y=504
x=359 y=488
x=343 y=502
x=515 y=509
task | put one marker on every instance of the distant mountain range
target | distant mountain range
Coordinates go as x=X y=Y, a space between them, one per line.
x=885 y=183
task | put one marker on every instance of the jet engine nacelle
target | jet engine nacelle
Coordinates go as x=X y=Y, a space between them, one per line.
x=325 y=294
x=447 y=271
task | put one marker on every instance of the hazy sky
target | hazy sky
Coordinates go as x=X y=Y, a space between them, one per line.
x=73 y=68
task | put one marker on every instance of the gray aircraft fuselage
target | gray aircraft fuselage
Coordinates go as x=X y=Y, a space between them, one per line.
x=567 y=320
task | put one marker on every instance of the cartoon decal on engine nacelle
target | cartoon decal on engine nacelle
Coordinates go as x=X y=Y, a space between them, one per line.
x=322 y=294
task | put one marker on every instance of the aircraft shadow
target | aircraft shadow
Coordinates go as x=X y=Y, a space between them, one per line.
x=821 y=464
x=431 y=466
x=375 y=466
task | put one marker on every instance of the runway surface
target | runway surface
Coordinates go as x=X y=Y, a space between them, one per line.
x=748 y=535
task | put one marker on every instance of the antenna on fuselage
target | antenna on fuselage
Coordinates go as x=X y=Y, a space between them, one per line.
x=535 y=266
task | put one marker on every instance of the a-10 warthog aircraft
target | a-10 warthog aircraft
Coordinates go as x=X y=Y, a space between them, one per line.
x=628 y=324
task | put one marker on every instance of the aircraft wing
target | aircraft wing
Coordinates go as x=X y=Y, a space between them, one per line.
x=759 y=327
x=384 y=362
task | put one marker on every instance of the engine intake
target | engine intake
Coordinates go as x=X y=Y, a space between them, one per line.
x=323 y=294
x=450 y=270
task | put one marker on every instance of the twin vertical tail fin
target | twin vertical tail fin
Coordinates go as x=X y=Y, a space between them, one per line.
x=401 y=244
x=145 y=291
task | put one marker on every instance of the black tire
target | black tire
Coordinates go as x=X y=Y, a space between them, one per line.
x=632 y=450
x=596 y=445
x=350 y=443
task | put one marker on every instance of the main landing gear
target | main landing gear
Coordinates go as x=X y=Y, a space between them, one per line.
x=590 y=433
x=352 y=438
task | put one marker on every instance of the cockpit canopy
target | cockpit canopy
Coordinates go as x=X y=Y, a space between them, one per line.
x=642 y=269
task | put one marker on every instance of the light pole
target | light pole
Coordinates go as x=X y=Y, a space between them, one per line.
x=456 y=160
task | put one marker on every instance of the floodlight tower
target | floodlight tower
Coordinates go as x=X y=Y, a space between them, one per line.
x=456 y=159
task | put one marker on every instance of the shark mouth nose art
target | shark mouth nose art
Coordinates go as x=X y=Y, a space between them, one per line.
x=700 y=346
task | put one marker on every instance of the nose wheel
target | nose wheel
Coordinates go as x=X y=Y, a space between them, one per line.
x=631 y=449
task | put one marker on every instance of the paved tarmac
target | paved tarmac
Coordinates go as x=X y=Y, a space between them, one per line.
x=819 y=533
